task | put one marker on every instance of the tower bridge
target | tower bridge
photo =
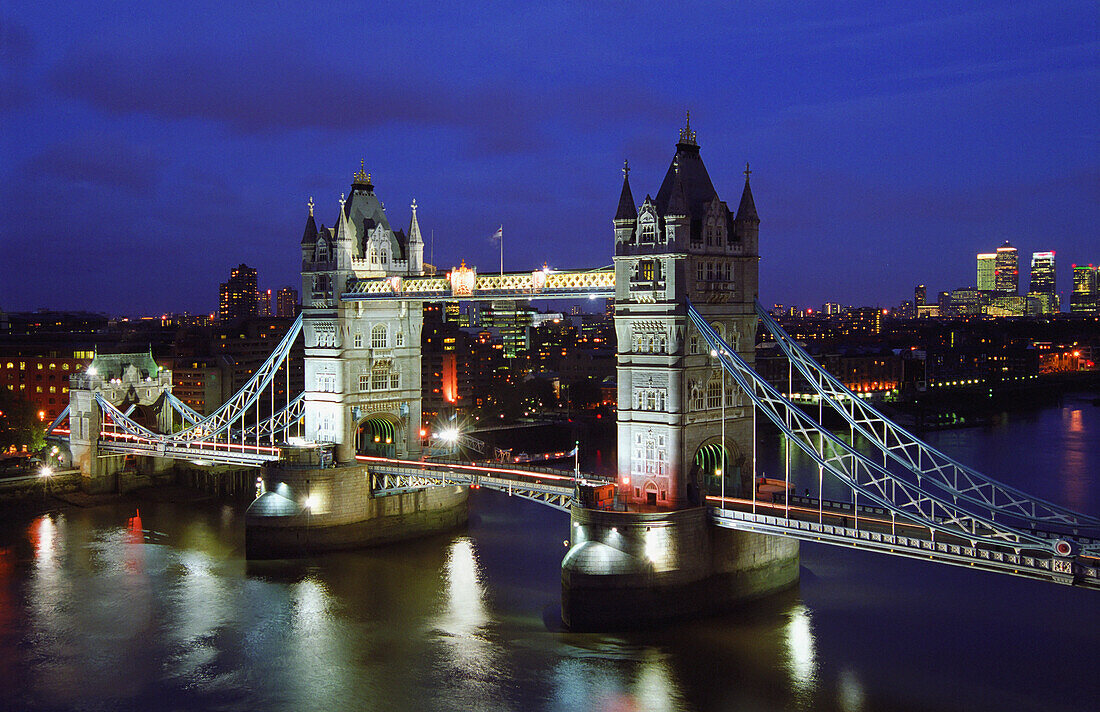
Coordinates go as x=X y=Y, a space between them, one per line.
x=692 y=530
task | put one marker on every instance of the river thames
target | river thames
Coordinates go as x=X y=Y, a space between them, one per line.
x=151 y=606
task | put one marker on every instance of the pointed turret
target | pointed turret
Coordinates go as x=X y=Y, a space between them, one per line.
x=309 y=237
x=344 y=239
x=746 y=211
x=627 y=209
x=415 y=244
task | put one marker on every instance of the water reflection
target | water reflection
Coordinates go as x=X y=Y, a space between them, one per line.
x=849 y=692
x=802 y=659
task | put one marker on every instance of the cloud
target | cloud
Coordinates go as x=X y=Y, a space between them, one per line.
x=267 y=91
x=103 y=160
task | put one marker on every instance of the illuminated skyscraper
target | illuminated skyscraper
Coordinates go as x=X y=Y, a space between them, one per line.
x=986 y=272
x=239 y=296
x=1007 y=270
x=920 y=295
x=1043 y=283
x=286 y=302
x=1085 y=298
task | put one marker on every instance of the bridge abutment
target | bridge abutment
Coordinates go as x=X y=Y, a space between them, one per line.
x=638 y=569
x=308 y=509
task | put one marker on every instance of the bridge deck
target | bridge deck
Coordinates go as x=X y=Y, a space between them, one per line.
x=900 y=537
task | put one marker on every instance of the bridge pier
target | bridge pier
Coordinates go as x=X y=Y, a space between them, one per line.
x=308 y=508
x=638 y=569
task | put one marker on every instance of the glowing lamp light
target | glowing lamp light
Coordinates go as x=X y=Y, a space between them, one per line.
x=713 y=353
x=45 y=471
x=626 y=480
x=311 y=502
x=463 y=280
x=92 y=371
x=449 y=435
x=41 y=415
x=538 y=278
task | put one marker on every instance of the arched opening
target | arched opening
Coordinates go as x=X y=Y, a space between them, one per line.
x=377 y=436
x=714 y=464
x=651 y=494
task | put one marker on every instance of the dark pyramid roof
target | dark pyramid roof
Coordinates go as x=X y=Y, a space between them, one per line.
x=694 y=179
x=310 y=235
x=747 y=209
x=677 y=200
x=627 y=210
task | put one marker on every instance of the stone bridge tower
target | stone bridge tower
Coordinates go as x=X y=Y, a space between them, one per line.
x=685 y=243
x=124 y=380
x=362 y=359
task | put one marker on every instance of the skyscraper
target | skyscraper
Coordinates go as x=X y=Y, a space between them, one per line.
x=920 y=295
x=286 y=302
x=986 y=272
x=1007 y=270
x=1043 y=283
x=1085 y=298
x=239 y=296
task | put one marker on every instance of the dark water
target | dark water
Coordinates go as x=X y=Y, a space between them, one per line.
x=98 y=611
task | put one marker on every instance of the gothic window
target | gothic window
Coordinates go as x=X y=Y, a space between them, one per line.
x=647 y=230
x=322 y=251
x=399 y=338
x=364 y=382
x=696 y=398
x=662 y=343
x=378 y=337
x=645 y=270
x=383 y=256
x=714 y=394
x=379 y=376
x=693 y=343
x=395 y=379
x=358 y=340
x=699 y=271
x=710 y=271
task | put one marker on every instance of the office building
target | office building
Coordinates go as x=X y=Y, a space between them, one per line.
x=1007 y=270
x=986 y=272
x=239 y=296
x=1042 y=286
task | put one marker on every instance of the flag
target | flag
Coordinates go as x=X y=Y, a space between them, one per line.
x=498 y=235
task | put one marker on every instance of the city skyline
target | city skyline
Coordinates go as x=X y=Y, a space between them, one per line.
x=903 y=136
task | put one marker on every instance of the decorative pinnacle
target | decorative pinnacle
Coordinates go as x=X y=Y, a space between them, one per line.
x=686 y=134
x=310 y=204
x=413 y=206
x=341 y=200
x=626 y=169
x=747 y=172
x=676 y=166
x=362 y=177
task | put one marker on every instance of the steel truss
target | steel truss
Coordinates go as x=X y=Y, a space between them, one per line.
x=388 y=479
x=232 y=411
x=857 y=471
x=918 y=459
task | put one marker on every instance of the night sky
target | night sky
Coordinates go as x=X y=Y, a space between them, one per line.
x=147 y=150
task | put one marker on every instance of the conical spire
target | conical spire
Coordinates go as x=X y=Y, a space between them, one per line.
x=343 y=228
x=414 y=227
x=310 y=235
x=747 y=209
x=627 y=210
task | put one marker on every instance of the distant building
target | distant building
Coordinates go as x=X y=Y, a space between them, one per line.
x=832 y=309
x=263 y=303
x=286 y=303
x=1007 y=270
x=1042 y=287
x=1085 y=298
x=239 y=296
x=920 y=295
x=987 y=272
